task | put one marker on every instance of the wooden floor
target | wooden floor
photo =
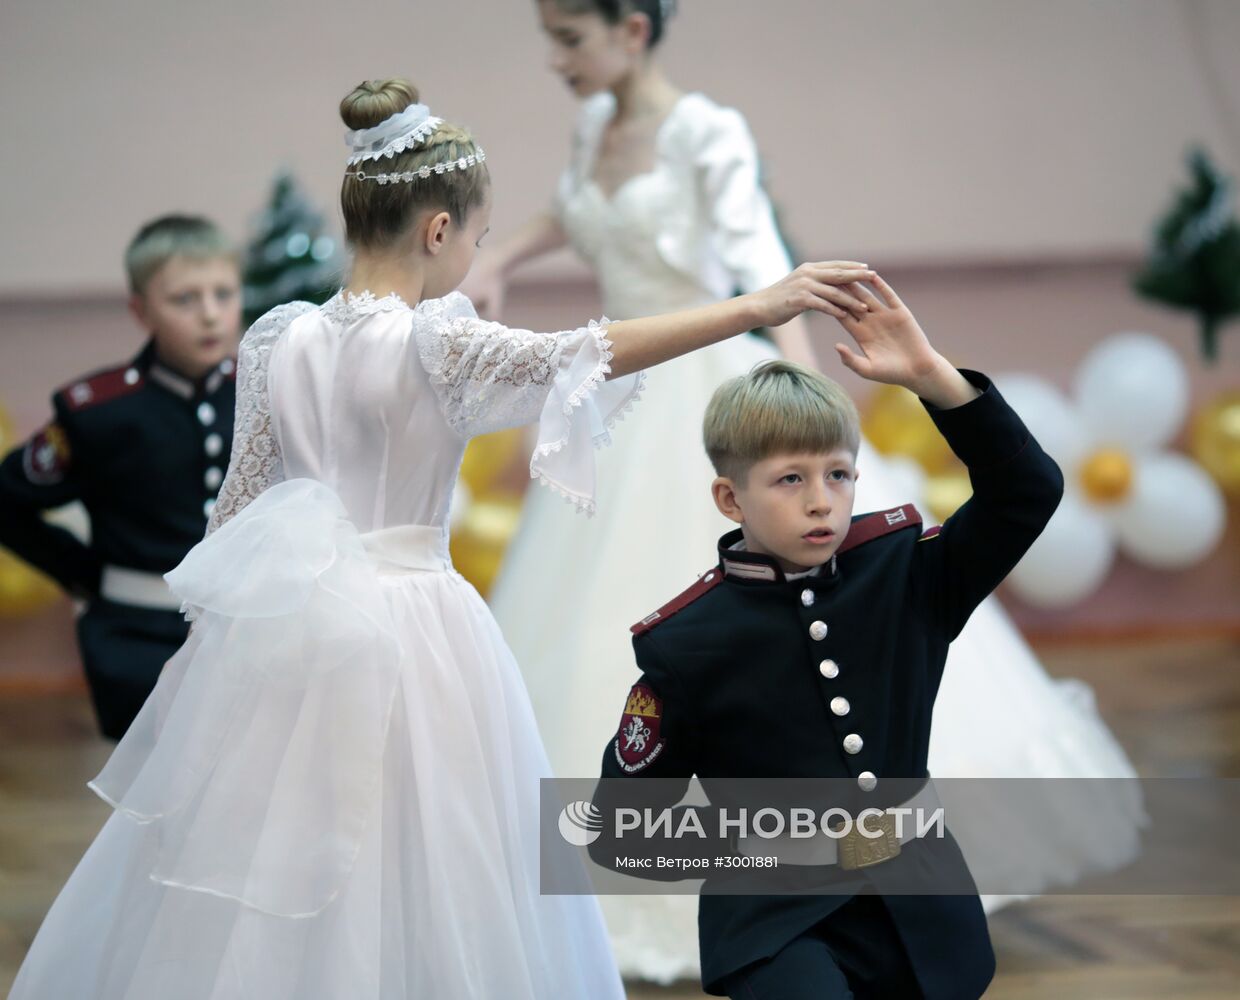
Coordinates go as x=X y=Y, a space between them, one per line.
x=1175 y=706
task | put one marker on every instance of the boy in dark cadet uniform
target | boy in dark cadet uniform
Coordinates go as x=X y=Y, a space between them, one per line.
x=144 y=447
x=814 y=650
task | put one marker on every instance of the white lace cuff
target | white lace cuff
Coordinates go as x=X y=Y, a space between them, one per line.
x=578 y=415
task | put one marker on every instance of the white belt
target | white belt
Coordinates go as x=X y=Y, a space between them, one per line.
x=408 y=548
x=855 y=850
x=134 y=587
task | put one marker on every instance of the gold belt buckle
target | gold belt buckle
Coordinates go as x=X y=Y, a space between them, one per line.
x=859 y=851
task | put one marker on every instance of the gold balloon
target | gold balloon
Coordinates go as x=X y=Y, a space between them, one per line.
x=1106 y=475
x=479 y=541
x=946 y=493
x=1215 y=440
x=24 y=591
x=896 y=423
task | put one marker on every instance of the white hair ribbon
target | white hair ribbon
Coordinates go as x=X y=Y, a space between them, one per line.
x=392 y=136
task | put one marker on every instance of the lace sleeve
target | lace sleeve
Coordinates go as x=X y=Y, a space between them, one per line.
x=255 y=463
x=488 y=377
x=742 y=220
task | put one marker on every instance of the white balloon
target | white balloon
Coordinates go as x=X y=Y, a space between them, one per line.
x=1048 y=414
x=1070 y=558
x=1132 y=391
x=1174 y=516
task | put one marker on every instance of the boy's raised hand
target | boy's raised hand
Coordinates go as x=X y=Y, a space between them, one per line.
x=895 y=349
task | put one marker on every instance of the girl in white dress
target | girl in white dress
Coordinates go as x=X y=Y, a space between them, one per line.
x=333 y=791
x=662 y=198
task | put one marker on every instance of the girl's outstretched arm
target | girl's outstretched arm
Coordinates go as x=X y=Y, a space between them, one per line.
x=822 y=287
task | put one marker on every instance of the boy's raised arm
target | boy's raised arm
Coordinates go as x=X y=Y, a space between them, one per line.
x=1016 y=485
x=1016 y=488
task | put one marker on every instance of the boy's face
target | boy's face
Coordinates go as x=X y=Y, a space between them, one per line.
x=794 y=507
x=192 y=308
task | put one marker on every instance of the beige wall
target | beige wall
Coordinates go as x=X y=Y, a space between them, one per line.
x=901 y=129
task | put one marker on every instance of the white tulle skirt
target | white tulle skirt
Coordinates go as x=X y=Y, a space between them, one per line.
x=998 y=713
x=333 y=791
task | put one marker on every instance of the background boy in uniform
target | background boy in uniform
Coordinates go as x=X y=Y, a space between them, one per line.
x=144 y=447
x=814 y=649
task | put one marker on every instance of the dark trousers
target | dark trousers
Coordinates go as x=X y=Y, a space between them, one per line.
x=854 y=954
x=123 y=650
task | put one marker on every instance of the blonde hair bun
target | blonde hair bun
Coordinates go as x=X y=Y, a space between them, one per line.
x=374 y=101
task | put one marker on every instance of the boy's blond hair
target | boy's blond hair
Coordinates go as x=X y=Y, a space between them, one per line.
x=171 y=236
x=779 y=407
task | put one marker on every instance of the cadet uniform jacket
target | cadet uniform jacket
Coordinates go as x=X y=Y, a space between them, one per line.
x=145 y=450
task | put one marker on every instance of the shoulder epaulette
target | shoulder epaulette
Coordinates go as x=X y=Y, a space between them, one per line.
x=101 y=387
x=883 y=522
x=706 y=582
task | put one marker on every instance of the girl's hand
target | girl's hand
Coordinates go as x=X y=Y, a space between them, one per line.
x=823 y=287
x=893 y=347
x=485 y=287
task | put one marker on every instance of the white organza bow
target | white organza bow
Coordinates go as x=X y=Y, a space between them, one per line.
x=392 y=136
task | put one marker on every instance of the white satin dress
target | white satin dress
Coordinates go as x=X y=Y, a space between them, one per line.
x=691 y=231
x=334 y=789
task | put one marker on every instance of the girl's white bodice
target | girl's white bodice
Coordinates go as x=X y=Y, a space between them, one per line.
x=692 y=230
x=376 y=400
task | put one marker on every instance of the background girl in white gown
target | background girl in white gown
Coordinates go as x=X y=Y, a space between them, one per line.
x=662 y=198
x=333 y=791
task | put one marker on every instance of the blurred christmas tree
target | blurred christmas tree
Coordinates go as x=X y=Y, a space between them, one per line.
x=1194 y=263
x=290 y=257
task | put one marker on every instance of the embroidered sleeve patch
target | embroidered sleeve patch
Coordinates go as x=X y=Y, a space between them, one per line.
x=46 y=457
x=637 y=744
